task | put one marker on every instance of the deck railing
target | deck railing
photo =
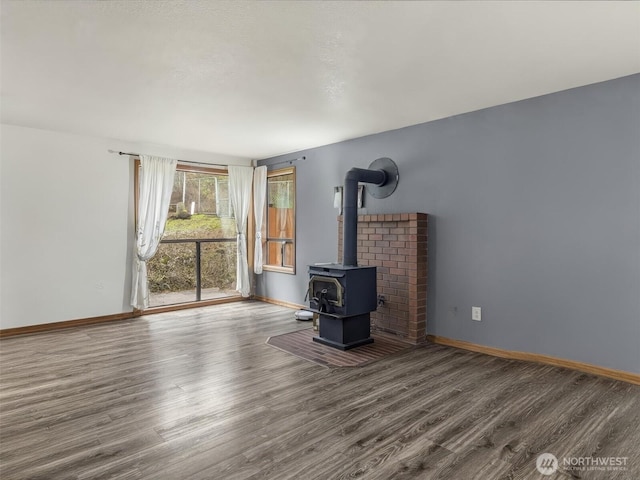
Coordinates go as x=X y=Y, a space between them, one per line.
x=198 y=252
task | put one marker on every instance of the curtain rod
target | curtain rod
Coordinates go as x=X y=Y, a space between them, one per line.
x=290 y=162
x=286 y=161
x=179 y=161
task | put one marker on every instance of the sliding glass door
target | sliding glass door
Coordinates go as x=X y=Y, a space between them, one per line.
x=196 y=259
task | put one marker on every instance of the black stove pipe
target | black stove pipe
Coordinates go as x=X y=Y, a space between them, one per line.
x=350 y=223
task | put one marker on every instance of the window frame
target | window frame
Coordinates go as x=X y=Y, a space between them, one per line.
x=276 y=268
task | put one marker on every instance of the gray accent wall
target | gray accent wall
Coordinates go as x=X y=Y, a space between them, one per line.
x=534 y=217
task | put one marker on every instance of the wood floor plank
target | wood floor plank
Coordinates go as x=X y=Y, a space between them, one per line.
x=197 y=394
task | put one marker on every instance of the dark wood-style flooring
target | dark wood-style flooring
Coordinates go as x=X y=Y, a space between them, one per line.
x=197 y=394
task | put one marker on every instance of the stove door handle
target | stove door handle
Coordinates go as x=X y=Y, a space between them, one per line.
x=322 y=302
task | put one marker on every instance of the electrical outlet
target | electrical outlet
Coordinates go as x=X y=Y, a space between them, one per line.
x=476 y=314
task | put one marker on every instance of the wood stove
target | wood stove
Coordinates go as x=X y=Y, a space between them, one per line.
x=344 y=295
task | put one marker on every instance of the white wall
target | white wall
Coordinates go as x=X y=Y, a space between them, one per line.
x=67 y=224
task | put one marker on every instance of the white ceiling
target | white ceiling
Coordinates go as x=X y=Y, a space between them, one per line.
x=255 y=79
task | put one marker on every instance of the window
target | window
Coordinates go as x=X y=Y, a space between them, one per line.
x=196 y=258
x=279 y=252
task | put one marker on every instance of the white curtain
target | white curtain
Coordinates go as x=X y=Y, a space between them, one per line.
x=154 y=194
x=240 y=194
x=259 y=198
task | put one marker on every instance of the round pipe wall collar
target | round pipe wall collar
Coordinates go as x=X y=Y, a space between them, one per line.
x=390 y=169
